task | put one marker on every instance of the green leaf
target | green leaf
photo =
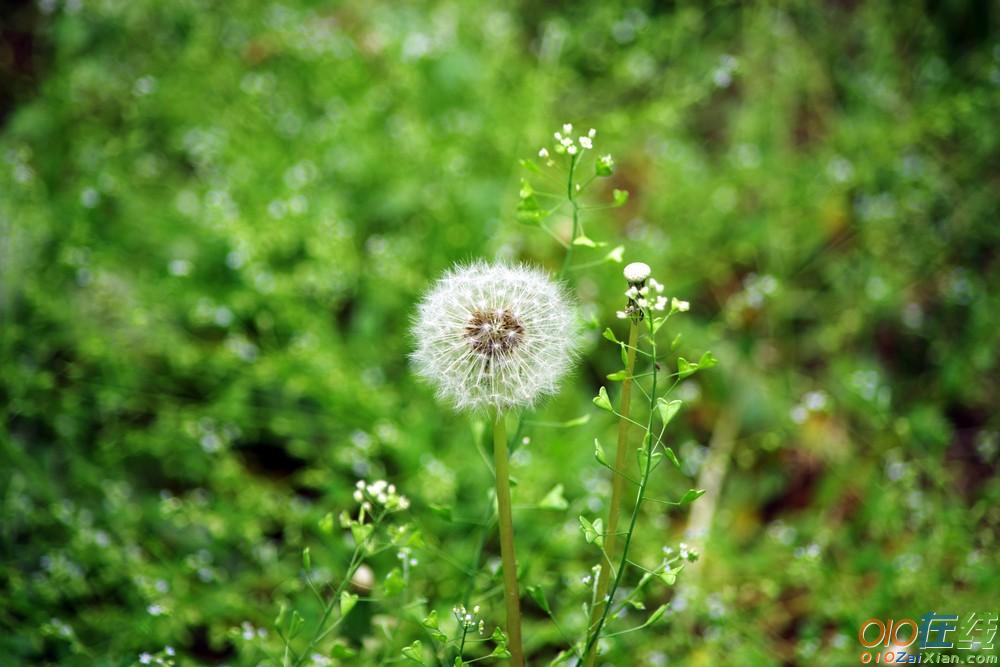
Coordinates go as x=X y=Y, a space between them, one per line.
x=579 y=421
x=561 y=658
x=459 y=662
x=538 y=595
x=619 y=196
x=592 y=532
x=707 y=360
x=690 y=496
x=651 y=459
x=554 y=499
x=499 y=636
x=584 y=241
x=618 y=376
x=531 y=166
x=668 y=577
x=637 y=604
x=500 y=652
x=672 y=456
x=685 y=367
x=616 y=255
x=415 y=652
x=361 y=531
x=668 y=409
x=326 y=523
x=393 y=583
x=281 y=615
x=599 y=454
x=610 y=335
x=306 y=560
x=342 y=651
x=431 y=620
x=602 y=401
x=347 y=602
x=656 y=615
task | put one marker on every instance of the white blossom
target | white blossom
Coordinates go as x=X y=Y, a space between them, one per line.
x=494 y=336
x=637 y=272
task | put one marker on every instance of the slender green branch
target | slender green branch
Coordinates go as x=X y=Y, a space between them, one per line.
x=617 y=484
x=595 y=634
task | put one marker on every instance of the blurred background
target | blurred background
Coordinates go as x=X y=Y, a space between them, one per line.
x=215 y=221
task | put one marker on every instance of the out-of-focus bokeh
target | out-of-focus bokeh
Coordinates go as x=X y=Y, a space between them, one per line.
x=215 y=221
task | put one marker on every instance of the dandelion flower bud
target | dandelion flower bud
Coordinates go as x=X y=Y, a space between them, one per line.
x=494 y=336
x=637 y=272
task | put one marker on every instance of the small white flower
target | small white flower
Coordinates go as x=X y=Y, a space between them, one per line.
x=655 y=284
x=567 y=127
x=145 y=658
x=586 y=142
x=558 y=136
x=543 y=153
x=571 y=150
x=643 y=303
x=591 y=133
x=637 y=272
x=621 y=314
x=661 y=303
x=680 y=306
x=632 y=292
x=494 y=336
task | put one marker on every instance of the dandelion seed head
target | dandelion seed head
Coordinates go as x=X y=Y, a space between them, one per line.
x=494 y=336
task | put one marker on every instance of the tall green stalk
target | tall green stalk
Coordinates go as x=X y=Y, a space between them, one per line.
x=617 y=489
x=512 y=596
x=595 y=633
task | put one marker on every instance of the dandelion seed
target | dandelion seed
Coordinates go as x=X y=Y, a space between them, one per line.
x=494 y=336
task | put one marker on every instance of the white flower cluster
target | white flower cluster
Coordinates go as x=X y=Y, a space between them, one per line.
x=381 y=494
x=566 y=144
x=495 y=336
x=469 y=620
x=684 y=552
x=646 y=293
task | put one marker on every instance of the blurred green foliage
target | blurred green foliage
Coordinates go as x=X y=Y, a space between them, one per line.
x=215 y=220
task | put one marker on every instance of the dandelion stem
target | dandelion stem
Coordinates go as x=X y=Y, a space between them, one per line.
x=617 y=485
x=506 y=523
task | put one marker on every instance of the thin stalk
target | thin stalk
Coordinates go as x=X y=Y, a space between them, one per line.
x=506 y=523
x=570 y=195
x=595 y=635
x=617 y=487
x=356 y=559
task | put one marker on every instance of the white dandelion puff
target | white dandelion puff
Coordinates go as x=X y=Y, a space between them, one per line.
x=494 y=336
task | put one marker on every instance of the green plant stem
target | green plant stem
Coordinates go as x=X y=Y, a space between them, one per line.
x=356 y=559
x=568 y=260
x=595 y=634
x=506 y=523
x=617 y=487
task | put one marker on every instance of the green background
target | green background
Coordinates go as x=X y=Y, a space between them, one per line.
x=216 y=220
